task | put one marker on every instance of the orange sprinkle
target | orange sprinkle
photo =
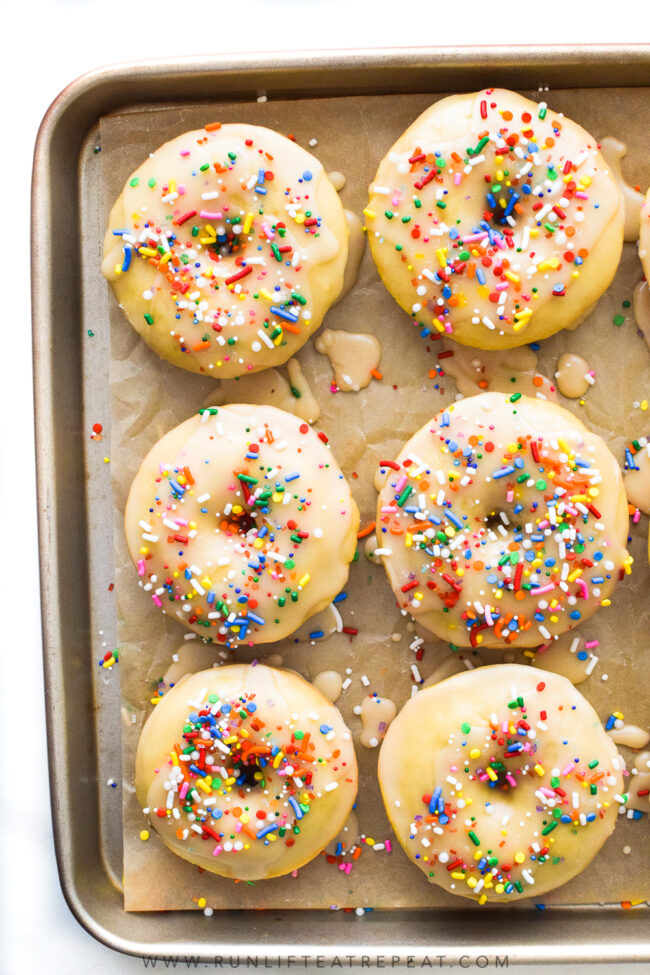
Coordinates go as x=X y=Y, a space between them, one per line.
x=367 y=530
x=212 y=126
x=376 y=374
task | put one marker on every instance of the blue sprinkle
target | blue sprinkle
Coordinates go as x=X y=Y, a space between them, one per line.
x=267 y=829
x=307 y=175
x=316 y=634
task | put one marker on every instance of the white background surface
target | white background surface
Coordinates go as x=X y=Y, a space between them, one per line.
x=46 y=45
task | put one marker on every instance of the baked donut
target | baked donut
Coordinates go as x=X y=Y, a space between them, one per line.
x=503 y=519
x=241 y=524
x=500 y=783
x=495 y=220
x=225 y=249
x=246 y=771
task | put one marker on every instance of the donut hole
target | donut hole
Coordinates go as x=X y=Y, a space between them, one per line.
x=229 y=239
x=250 y=774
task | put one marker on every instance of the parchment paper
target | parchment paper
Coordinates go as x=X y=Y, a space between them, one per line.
x=150 y=396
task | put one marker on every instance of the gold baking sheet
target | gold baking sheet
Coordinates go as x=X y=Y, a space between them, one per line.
x=149 y=397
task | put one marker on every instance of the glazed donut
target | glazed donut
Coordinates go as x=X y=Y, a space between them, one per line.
x=500 y=783
x=246 y=771
x=495 y=221
x=225 y=249
x=503 y=519
x=241 y=524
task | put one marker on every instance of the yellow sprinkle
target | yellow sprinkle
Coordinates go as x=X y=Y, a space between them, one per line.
x=549 y=265
x=441 y=254
x=574 y=575
x=278 y=758
x=606 y=602
x=107 y=460
x=482 y=899
x=207 y=240
x=248 y=223
x=266 y=294
x=457 y=876
x=519 y=857
x=370 y=841
x=617 y=714
x=117 y=269
x=299 y=218
x=369 y=213
x=539 y=769
x=144 y=834
x=511 y=276
x=492 y=774
x=147 y=252
x=201 y=902
x=305 y=579
x=174 y=758
x=499 y=888
x=471 y=881
x=475 y=753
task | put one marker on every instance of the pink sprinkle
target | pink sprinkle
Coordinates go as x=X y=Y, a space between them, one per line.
x=401 y=484
x=156 y=600
x=582 y=196
x=348 y=867
x=183 y=792
x=543 y=589
x=510 y=779
x=636 y=516
x=584 y=592
x=185 y=152
x=217 y=850
x=457 y=179
x=294 y=874
x=567 y=770
x=267 y=230
x=510 y=496
x=141 y=567
x=543 y=524
x=388 y=845
x=502 y=286
x=210 y=215
x=591 y=644
x=474 y=237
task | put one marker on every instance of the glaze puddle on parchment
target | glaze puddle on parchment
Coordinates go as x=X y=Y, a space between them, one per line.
x=507 y=370
x=354 y=356
x=574 y=375
x=613 y=152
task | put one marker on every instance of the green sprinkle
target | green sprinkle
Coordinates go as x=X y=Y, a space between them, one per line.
x=148 y=318
x=232 y=156
x=408 y=490
x=295 y=392
x=515 y=397
x=212 y=410
x=417 y=202
x=549 y=829
x=474 y=838
x=466 y=727
x=441 y=205
x=618 y=320
x=299 y=298
x=152 y=183
x=388 y=214
x=134 y=181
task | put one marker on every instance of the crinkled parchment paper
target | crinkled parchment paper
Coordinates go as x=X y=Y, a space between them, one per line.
x=150 y=396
